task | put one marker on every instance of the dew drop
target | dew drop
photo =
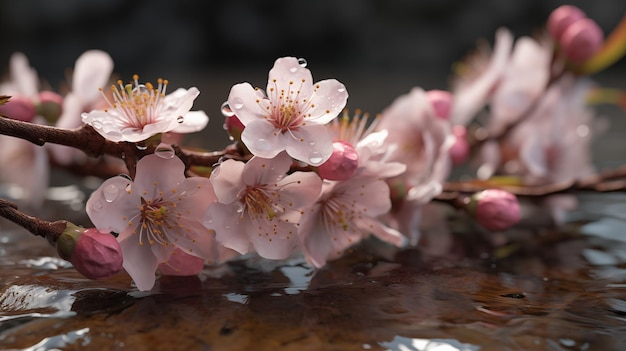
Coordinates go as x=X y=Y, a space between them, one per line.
x=341 y=90
x=226 y=110
x=141 y=146
x=315 y=158
x=180 y=119
x=165 y=151
x=237 y=103
x=311 y=143
x=96 y=124
x=97 y=206
x=302 y=62
x=110 y=192
x=262 y=145
x=293 y=69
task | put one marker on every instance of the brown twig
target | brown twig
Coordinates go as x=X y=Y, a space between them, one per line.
x=48 y=230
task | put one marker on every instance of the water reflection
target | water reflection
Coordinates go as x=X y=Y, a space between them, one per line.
x=539 y=289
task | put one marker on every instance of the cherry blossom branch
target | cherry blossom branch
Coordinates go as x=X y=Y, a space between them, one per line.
x=86 y=139
x=48 y=230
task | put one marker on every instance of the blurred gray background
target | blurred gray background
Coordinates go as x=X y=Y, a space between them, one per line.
x=378 y=48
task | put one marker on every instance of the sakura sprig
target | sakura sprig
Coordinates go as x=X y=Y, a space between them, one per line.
x=305 y=176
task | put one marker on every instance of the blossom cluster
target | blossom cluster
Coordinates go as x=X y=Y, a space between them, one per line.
x=310 y=178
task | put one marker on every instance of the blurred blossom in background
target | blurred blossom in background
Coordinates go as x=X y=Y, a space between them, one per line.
x=378 y=49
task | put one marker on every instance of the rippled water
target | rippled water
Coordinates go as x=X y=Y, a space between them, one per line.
x=531 y=289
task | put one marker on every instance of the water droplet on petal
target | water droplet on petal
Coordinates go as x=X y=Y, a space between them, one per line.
x=96 y=124
x=141 y=147
x=165 y=151
x=237 y=103
x=226 y=110
x=110 y=192
x=262 y=145
x=180 y=119
x=315 y=158
x=293 y=69
x=311 y=143
x=97 y=206
x=302 y=62
x=341 y=90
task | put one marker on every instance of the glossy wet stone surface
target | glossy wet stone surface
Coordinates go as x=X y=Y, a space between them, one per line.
x=537 y=289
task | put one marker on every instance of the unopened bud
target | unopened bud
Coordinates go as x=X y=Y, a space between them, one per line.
x=581 y=40
x=234 y=127
x=441 y=101
x=341 y=164
x=94 y=254
x=20 y=108
x=495 y=209
x=460 y=150
x=182 y=264
x=50 y=105
x=561 y=18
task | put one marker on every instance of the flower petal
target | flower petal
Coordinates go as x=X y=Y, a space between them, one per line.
x=266 y=171
x=286 y=70
x=273 y=240
x=228 y=226
x=227 y=180
x=312 y=144
x=155 y=174
x=247 y=103
x=92 y=70
x=193 y=121
x=299 y=189
x=262 y=138
x=140 y=263
x=333 y=100
x=111 y=207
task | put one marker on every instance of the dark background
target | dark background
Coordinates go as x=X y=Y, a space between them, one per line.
x=378 y=48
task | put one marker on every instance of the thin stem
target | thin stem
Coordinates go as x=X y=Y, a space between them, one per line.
x=48 y=230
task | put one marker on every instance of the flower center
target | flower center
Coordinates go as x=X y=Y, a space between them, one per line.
x=287 y=107
x=154 y=219
x=139 y=104
x=258 y=201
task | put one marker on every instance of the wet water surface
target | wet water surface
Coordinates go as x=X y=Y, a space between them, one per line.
x=530 y=289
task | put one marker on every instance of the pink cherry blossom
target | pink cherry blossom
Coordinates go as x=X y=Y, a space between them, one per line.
x=422 y=142
x=258 y=206
x=92 y=70
x=292 y=116
x=28 y=174
x=512 y=80
x=348 y=210
x=157 y=213
x=139 y=111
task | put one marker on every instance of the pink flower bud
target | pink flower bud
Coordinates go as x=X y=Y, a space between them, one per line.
x=94 y=254
x=460 y=150
x=495 y=209
x=234 y=127
x=342 y=163
x=50 y=105
x=441 y=101
x=20 y=108
x=581 y=40
x=182 y=264
x=561 y=18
